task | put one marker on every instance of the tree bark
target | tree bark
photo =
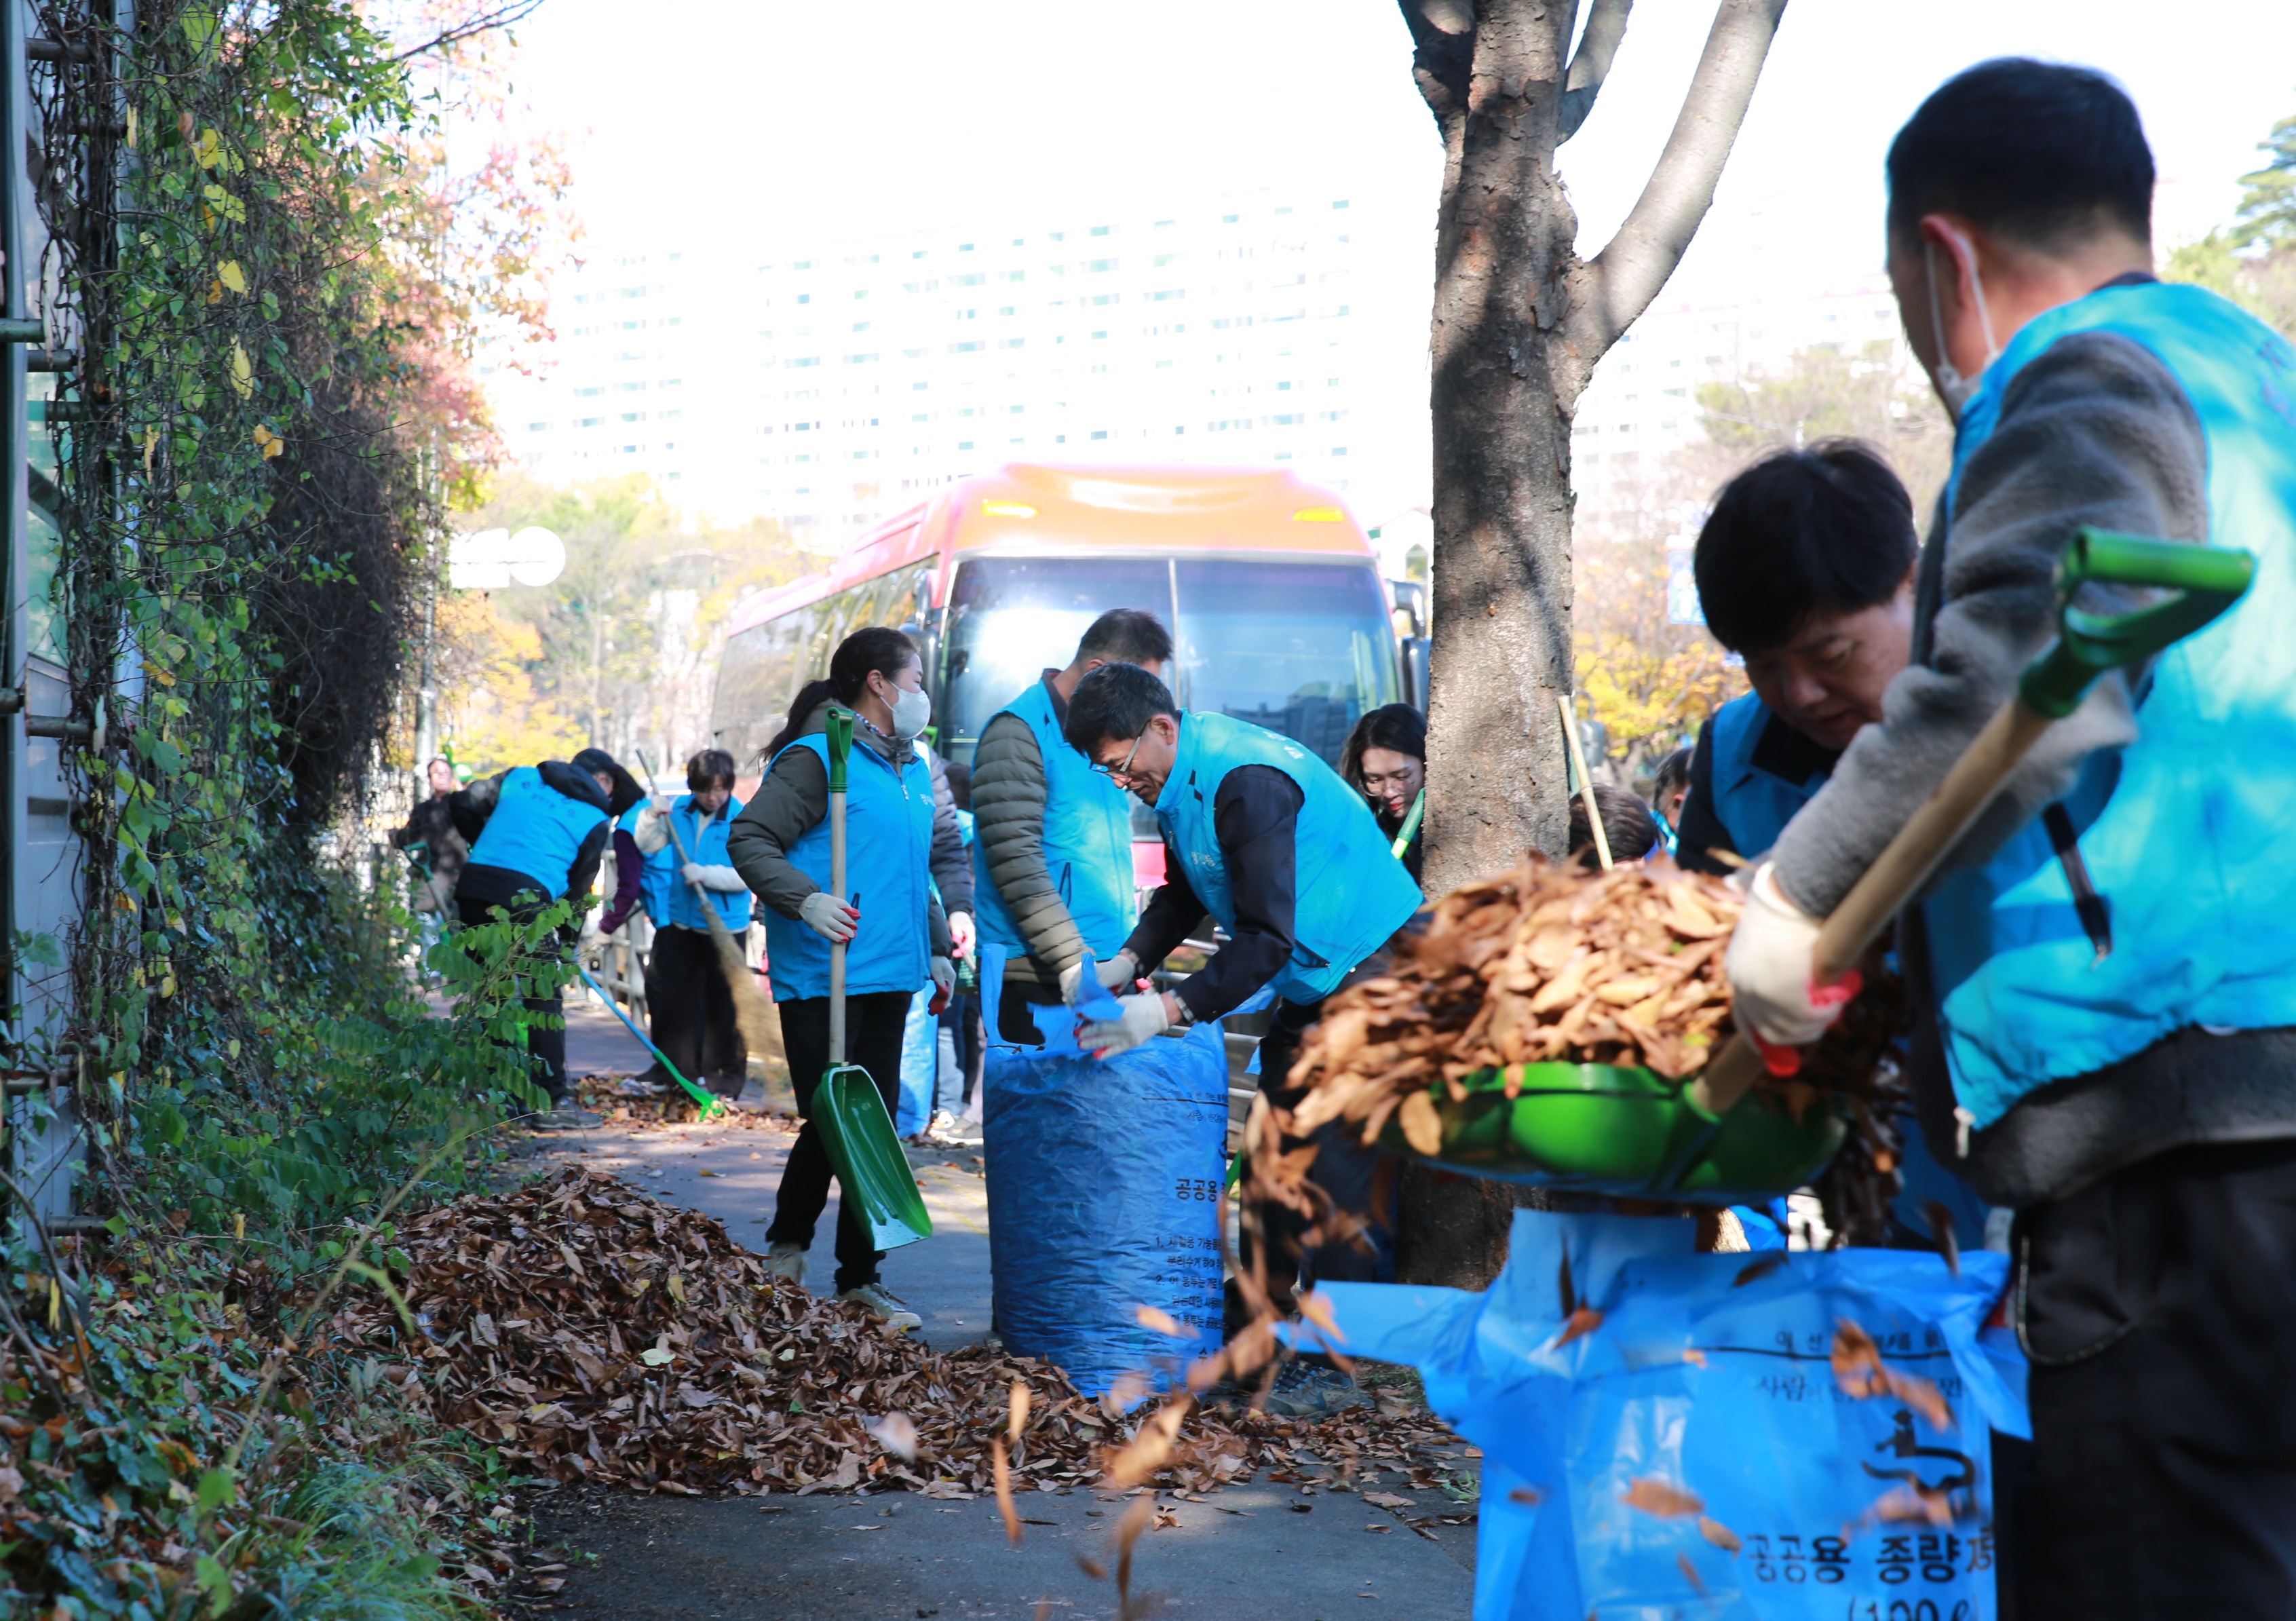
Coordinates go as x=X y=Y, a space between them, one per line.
x=1519 y=322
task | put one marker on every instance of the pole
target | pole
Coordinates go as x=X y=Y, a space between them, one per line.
x=15 y=644
x=841 y=742
x=1585 y=782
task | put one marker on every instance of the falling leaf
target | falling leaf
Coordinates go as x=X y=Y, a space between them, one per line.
x=1092 y=1566
x=1004 y=1492
x=1690 y=1574
x=242 y=372
x=230 y=274
x=897 y=1433
x=1128 y=1532
x=1152 y=1446
x=1585 y=1320
x=1016 y=1405
x=1911 y=1503
x=1652 y=1495
x=1316 y=1308
x=1760 y=1268
x=1165 y=1324
x=1721 y=1535
x=1942 y=1233
x=1531 y=1497
x=1858 y=1367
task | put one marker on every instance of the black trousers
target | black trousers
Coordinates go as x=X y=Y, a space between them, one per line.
x=874 y=1025
x=1350 y=1173
x=692 y=1009
x=548 y=1047
x=2159 y=1308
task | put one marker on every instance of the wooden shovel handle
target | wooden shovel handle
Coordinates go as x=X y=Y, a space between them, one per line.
x=1896 y=876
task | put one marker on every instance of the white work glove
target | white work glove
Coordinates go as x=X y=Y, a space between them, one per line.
x=960 y=934
x=829 y=918
x=1773 y=982
x=1144 y=1017
x=1122 y=969
x=722 y=878
x=944 y=979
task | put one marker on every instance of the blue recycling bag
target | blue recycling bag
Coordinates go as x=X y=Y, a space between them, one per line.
x=1761 y=1490
x=1103 y=1197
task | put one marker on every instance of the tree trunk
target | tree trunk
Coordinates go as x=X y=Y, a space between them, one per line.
x=1519 y=323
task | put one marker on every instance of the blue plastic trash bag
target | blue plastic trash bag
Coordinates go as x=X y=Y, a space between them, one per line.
x=1692 y=1454
x=1103 y=1197
x=920 y=1065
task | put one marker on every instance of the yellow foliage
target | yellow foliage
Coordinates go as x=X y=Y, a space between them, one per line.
x=1648 y=681
x=489 y=711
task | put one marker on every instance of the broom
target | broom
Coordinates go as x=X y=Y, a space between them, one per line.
x=761 y=1031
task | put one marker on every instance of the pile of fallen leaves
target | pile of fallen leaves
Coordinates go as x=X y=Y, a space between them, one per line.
x=1550 y=963
x=594 y=1333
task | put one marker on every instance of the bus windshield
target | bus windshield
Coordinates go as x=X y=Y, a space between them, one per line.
x=1300 y=648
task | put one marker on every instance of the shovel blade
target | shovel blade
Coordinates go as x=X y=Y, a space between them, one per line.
x=873 y=1173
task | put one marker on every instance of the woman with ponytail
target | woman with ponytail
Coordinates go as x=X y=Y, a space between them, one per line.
x=895 y=936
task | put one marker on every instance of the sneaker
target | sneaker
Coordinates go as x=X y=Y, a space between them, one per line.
x=884 y=1306
x=940 y=1126
x=1308 y=1390
x=565 y=1118
x=786 y=1261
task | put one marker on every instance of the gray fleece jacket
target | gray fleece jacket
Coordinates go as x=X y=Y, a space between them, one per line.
x=790 y=802
x=2094 y=431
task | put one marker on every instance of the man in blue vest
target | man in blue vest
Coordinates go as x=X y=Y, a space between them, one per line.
x=1805 y=569
x=689 y=1003
x=1288 y=860
x=1053 y=839
x=537 y=835
x=2137 y=1106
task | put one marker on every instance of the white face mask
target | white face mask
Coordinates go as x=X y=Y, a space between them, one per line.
x=1952 y=388
x=912 y=712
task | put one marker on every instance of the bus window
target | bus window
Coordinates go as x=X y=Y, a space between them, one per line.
x=1010 y=618
x=762 y=670
x=1303 y=649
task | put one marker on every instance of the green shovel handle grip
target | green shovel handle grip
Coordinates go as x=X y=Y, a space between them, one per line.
x=2207 y=579
x=840 y=746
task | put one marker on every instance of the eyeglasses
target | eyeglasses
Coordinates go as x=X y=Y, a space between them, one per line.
x=1123 y=773
x=1402 y=781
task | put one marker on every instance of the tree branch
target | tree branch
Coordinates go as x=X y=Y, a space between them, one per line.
x=509 y=14
x=1443 y=55
x=1590 y=64
x=1623 y=279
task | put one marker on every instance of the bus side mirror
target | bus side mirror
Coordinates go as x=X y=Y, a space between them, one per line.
x=1412 y=652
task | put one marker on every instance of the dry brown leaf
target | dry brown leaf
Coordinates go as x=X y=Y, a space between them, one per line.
x=1652 y=1495
x=1859 y=1369
x=1721 y=1535
x=1531 y=1497
x=1164 y=1323
x=1317 y=1310
x=897 y=1433
x=1423 y=1126
x=1690 y=1574
x=1585 y=1320
x=1128 y=1532
x=1004 y=1492
x=1017 y=1407
x=1911 y=1502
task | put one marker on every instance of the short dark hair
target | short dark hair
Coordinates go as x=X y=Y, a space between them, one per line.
x=1125 y=636
x=2036 y=152
x=1116 y=700
x=709 y=768
x=960 y=784
x=1673 y=772
x=1628 y=828
x=1396 y=726
x=875 y=647
x=1828 y=529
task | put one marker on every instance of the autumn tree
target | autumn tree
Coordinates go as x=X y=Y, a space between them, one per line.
x=1520 y=321
x=2252 y=261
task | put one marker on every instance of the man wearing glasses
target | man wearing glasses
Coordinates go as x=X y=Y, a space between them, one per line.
x=1268 y=840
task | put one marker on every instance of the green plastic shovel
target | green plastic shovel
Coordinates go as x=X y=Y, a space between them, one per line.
x=871 y=1171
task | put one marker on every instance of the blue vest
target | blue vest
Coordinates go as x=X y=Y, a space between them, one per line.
x=705 y=846
x=2184 y=832
x=888 y=825
x=534 y=831
x=1087 y=843
x=1352 y=893
x=1752 y=805
x=656 y=872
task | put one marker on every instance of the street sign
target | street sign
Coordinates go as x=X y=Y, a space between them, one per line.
x=493 y=559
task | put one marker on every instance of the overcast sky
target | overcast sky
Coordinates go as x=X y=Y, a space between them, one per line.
x=783 y=123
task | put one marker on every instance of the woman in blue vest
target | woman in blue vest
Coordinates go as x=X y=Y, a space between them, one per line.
x=1385 y=760
x=537 y=835
x=2118 y=1068
x=897 y=937
x=688 y=999
x=1288 y=859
